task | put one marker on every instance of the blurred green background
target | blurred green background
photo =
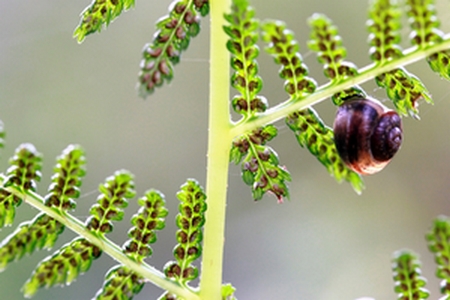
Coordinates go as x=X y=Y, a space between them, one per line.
x=325 y=243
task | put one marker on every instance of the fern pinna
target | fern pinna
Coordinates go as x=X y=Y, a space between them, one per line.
x=369 y=128
x=43 y=231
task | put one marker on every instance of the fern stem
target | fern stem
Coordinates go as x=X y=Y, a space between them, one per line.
x=219 y=142
x=103 y=243
x=367 y=73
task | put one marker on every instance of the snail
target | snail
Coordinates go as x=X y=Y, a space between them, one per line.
x=367 y=135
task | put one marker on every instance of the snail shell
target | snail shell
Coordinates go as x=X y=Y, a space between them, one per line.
x=367 y=135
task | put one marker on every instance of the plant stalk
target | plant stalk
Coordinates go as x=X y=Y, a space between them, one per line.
x=219 y=143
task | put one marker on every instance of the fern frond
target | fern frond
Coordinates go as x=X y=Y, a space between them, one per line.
x=440 y=63
x=98 y=15
x=149 y=218
x=309 y=129
x=25 y=168
x=8 y=204
x=121 y=282
x=228 y=292
x=311 y=133
x=409 y=284
x=423 y=22
x=173 y=36
x=260 y=164
x=242 y=30
x=43 y=231
x=190 y=221
x=24 y=172
x=439 y=244
x=76 y=257
x=285 y=50
x=327 y=43
x=202 y=6
x=403 y=88
x=63 y=266
x=66 y=180
x=110 y=203
x=384 y=25
x=354 y=92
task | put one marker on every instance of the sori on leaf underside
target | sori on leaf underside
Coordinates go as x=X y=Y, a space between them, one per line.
x=248 y=140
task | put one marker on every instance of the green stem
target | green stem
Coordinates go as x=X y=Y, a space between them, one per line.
x=325 y=91
x=103 y=243
x=219 y=143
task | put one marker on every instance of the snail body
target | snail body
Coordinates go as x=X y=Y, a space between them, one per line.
x=367 y=135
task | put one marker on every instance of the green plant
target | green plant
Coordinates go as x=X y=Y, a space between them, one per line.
x=261 y=167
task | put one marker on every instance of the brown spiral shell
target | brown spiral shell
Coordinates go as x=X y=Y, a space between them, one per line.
x=367 y=135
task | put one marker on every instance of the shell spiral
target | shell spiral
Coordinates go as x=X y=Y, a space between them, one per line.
x=367 y=135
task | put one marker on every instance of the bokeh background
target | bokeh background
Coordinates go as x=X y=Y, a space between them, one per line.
x=325 y=243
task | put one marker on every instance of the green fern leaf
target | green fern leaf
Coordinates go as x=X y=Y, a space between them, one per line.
x=174 y=34
x=423 y=22
x=384 y=25
x=284 y=48
x=242 y=30
x=438 y=242
x=325 y=41
x=114 y=193
x=355 y=92
x=330 y=51
x=228 y=292
x=23 y=173
x=440 y=63
x=8 y=204
x=190 y=222
x=260 y=163
x=67 y=179
x=319 y=139
x=202 y=6
x=120 y=282
x=99 y=14
x=409 y=284
x=403 y=88
x=63 y=266
x=43 y=231
x=25 y=168
x=149 y=218
x=76 y=257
